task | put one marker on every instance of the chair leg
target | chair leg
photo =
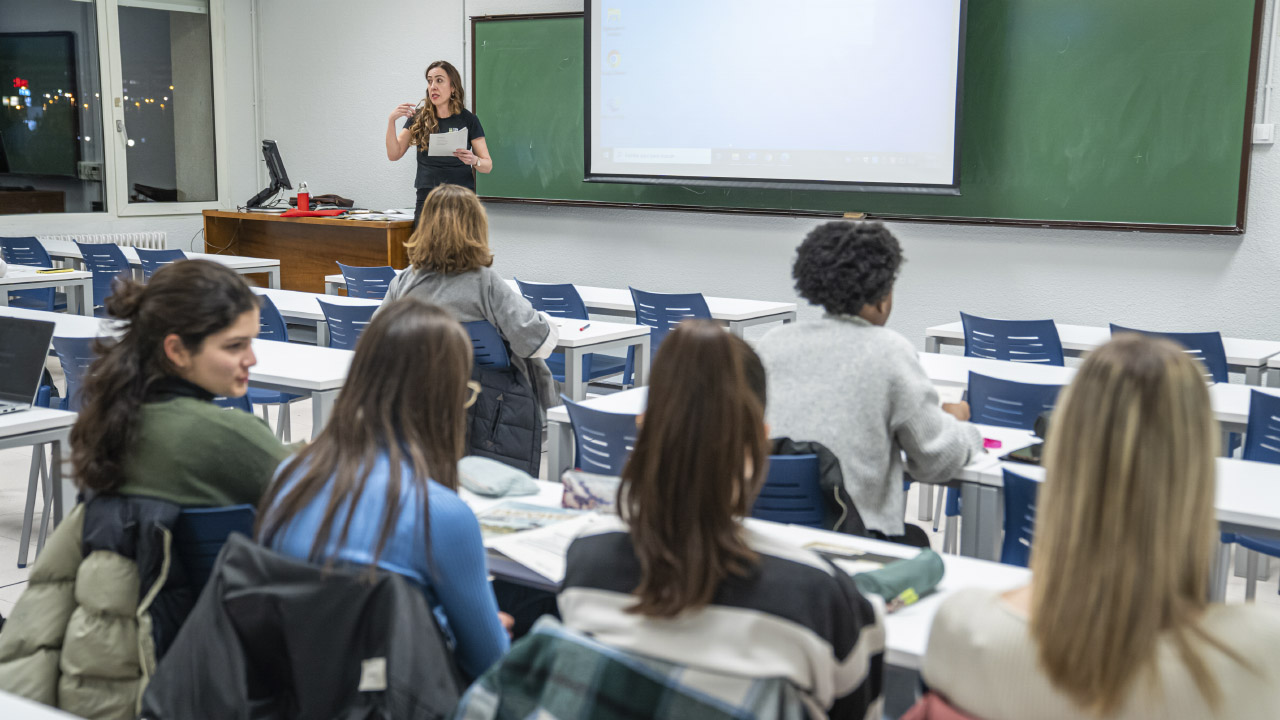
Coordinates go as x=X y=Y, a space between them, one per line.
x=950 y=537
x=284 y=422
x=937 y=509
x=1251 y=575
x=28 y=512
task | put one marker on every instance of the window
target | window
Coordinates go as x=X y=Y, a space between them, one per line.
x=146 y=146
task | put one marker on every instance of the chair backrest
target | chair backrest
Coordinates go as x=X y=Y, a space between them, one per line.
x=556 y=300
x=1029 y=341
x=1019 y=518
x=1203 y=346
x=238 y=403
x=1006 y=403
x=106 y=262
x=367 y=282
x=792 y=492
x=200 y=534
x=24 y=251
x=346 y=323
x=153 y=260
x=1262 y=435
x=663 y=311
x=602 y=440
x=75 y=355
x=271 y=325
x=487 y=348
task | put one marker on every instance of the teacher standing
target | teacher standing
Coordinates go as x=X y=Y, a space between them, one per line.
x=441 y=111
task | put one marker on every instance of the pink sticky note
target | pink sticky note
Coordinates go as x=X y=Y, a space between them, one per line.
x=991 y=443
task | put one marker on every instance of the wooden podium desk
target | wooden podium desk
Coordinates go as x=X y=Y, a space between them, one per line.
x=307 y=248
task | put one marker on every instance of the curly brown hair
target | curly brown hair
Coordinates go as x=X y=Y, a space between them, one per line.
x=425 y=120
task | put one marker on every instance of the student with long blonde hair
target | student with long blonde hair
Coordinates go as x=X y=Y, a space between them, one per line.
x=1116 y=621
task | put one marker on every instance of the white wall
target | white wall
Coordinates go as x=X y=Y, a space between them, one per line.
x=331 y=134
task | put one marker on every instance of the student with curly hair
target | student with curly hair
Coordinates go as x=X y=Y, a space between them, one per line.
x=857 y=387
x=441 y=111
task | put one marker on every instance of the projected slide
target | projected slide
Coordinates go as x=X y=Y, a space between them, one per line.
x=807 y=92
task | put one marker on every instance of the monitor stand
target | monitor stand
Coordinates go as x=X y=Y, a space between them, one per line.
x=258 y=200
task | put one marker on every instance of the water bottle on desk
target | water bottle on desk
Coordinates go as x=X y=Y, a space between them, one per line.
x=304 y=197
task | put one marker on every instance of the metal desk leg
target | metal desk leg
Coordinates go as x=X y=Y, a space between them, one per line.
x=573 y=380
x=925 y=511
x=979 y=521
x=642 y=363
x=788 y=318
x=274 y=276
x=321 y=407
x=330 y=288
x=737 y=329
x=559 y=449
x=55 y=478
x=82 y=296
x=1272 y=376
x=931 y=344
x=1253 y=376
x=1218 y=573
x=322 y=333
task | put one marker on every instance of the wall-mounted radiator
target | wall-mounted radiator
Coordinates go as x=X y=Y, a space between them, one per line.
x=149 y=240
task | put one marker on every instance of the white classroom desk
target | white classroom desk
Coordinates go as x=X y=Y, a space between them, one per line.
x=38 y=426
x=288 y=367
x=67 y=250
x=23 y=277
x=578 y=338
x=906 y=631
x=1247 y=501
x=1251 y=355
x=737 y=314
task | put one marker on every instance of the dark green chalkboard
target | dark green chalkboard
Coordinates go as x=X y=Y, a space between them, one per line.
x=1076 y=113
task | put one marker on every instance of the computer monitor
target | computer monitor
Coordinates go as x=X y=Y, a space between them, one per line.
x=24 y=345
x=275 y=167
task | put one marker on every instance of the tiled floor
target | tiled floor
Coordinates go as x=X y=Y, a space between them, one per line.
x=15 y=464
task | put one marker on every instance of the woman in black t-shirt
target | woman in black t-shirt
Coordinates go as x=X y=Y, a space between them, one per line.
x=441 y=111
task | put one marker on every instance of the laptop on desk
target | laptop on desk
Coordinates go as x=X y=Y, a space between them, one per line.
x=24 y=345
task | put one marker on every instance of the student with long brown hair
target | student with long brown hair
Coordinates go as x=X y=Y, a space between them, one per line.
x=678 y=577
x=451 y=267
x=1116 y=623
x=441 y=111
x=378 y=486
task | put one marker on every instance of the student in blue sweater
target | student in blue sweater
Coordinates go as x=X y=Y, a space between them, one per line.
x=378 y=485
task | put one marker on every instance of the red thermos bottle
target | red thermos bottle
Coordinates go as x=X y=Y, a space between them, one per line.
x=304 y=197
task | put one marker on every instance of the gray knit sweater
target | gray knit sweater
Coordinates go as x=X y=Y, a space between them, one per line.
x=859 y=389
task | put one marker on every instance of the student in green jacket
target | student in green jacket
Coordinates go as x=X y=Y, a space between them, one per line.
x=148 y=425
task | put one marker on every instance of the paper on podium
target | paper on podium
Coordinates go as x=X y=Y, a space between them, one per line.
x=443 y=144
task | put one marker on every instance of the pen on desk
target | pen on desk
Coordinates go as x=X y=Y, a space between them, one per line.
x=584 y=327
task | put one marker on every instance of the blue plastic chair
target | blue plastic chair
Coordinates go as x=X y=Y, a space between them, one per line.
x=271 y=326
x=106 y=262
x=75 y=355
x=1019 y=518
x=1029 y=341
x=563 y=300
x=792 y=492
x=346 y=323
x=1261 y=444
x=602 y=440
x=487 y=347
x=1003 y=403
x=29 y=251
x=662 y=312
x=153 y=260
x=367 y=282
x=200 y=534
x=1203 y=346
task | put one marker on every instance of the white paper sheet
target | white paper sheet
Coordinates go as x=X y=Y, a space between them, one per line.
x=443 y=144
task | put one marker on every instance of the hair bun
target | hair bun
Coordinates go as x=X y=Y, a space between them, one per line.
x=125 y=299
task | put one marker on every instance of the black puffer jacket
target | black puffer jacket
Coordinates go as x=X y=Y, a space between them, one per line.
x=505 y=424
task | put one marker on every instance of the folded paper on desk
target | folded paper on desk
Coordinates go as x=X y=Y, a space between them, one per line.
x=542 y=549
x=513 y=517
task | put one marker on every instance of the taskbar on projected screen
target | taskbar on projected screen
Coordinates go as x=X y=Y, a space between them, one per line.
x=765 y=165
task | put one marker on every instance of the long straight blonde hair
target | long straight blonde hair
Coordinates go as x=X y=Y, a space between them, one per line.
x=1125 y=523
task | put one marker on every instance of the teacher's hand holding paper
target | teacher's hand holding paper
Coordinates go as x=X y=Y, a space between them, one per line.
x=447 y=143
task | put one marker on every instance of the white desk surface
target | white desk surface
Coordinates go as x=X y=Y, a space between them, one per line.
x=1231 y=402
x=953 y=370
x=631 y=402
x=304 y=305
x=17 y=275
x=66 y=325
x=572 y=334
x=68 y=249
x=619 y=300
x=305 y=367
x=1083 y=338
x=34 y=420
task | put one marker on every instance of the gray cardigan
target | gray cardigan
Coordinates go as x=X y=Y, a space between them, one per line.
x=481 y=294
x=859 y=389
